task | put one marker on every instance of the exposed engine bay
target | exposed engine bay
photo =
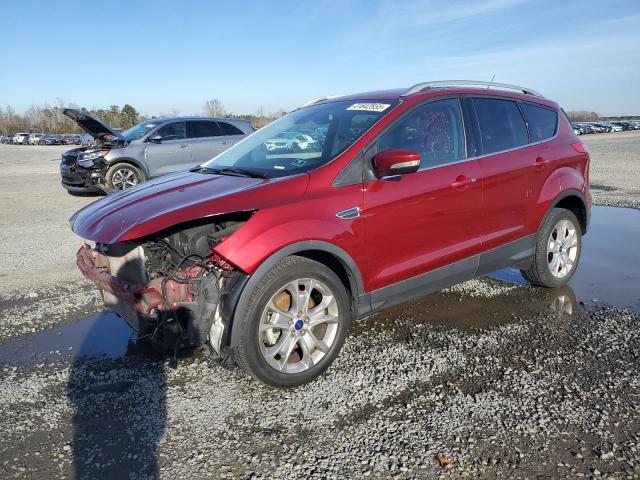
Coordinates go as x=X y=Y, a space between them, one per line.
x=171 y=286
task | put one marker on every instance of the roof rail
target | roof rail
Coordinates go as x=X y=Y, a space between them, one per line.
x=421 y=87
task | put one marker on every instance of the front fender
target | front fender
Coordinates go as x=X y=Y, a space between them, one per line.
x=141 y=165
x=236 y=311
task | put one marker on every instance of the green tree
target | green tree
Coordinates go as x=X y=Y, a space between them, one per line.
x=128 y=116
x=114 y=115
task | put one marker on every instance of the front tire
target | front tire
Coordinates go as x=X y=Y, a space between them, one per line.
x=557 y=251
x=123 y=175
x=296 y=322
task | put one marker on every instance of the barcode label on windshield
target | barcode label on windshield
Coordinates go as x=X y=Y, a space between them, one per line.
x=369 y=107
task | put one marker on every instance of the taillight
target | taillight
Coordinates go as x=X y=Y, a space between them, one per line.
x=580 y=147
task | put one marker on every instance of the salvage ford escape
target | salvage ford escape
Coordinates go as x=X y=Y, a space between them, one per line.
x=150 y=149
x=264 y=257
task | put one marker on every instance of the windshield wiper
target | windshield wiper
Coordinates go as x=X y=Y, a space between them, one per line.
x=237 y=172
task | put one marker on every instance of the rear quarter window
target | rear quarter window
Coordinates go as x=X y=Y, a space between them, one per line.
x=501 y=124
x=228 y=129
x=542 y=121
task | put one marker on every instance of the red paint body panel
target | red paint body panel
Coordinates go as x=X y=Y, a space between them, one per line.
x=407 y=226
x=408 y=219
x=178 y=198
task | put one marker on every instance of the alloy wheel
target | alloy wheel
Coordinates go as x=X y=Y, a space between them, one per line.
x=562 y=249
x=299 y=325
x=124 y=178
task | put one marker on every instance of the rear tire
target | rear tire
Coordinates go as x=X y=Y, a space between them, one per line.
x=307 y=333
x=557 y=250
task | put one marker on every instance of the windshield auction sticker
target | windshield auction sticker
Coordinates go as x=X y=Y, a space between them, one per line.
x=369 y=107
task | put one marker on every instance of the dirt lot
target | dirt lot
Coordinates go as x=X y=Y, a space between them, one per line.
x=615 y=168
x=499 y=378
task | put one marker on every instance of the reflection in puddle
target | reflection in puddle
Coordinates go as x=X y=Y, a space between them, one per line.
x=459 y=310
x=609 y=269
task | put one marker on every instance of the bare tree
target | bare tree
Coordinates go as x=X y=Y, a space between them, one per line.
x=583 y=116
x=214 y=108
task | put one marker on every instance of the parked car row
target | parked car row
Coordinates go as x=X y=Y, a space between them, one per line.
x=583 y=128
x=36 y=138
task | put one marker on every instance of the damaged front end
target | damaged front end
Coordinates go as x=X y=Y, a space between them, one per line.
x=172 y=287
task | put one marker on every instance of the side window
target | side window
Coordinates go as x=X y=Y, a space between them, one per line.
x=173 y=131
x=434 y=130
x=228 y=129
x=501 y=124
x=202 y=128
x=542 y=121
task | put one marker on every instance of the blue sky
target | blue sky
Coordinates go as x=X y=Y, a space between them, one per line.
x=167 y=55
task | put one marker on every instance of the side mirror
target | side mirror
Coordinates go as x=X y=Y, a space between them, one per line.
x=395 y=162
x=155 y=139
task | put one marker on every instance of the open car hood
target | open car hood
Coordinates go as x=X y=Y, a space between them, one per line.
x=92 y=126
x=177 y=198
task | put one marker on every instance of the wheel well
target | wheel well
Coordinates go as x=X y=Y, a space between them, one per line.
x=575 y=204
x=335 y=264
x=128 y=162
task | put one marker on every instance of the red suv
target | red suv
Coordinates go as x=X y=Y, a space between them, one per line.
x=263 y=257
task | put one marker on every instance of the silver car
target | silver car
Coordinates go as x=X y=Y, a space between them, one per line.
x=119 y=160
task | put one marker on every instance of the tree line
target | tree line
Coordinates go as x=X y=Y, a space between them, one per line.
x=49 y=118
x=583 y=116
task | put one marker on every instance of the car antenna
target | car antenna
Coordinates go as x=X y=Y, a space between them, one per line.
x=492 y=79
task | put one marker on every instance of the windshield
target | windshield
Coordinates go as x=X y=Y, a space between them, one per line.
x=140 y=130
x=302 y=140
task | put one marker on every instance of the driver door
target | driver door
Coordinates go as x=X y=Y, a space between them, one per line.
x=170 y=152
x=427 y=221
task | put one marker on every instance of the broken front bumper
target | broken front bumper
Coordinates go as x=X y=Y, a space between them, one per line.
x=138 y=302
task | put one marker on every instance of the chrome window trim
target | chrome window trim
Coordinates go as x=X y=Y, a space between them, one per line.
x=478 y=157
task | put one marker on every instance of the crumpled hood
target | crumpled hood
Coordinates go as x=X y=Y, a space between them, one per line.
x=173 y=199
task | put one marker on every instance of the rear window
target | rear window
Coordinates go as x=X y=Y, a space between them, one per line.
x=501 y=124
x=228 y=129
x=201 y=129
x=542 y=121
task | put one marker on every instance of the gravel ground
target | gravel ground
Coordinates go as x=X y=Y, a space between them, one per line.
x=615 y=168
x=487 y=379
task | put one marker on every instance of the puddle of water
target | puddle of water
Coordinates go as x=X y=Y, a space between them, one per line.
x=461 y=311
x=104 y=334
x=609 y=268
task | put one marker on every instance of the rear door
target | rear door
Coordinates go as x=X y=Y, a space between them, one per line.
x=172 y=153
x=514 y=166
x=205 y=137
x=419 y=222
x=230 y=134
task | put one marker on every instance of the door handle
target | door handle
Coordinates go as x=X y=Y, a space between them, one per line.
x=539 y=163
x=182 y=146
x=462 y=182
